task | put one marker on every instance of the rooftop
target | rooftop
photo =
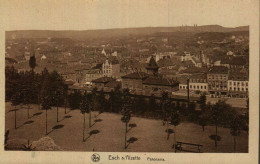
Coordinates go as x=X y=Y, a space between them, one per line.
x=238 y=76
x=103 y=80
x=136 y=75
x=166 y=62
x=218 y=69
x=154 y=80
x=113 y=84
x=98 y=66
x=199 y=76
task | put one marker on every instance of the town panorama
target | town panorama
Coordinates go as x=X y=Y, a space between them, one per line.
x=155 y=89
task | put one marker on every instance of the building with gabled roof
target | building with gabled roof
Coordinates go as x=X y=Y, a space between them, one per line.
x=102 y=81
x=150 y=82
x=134 y=81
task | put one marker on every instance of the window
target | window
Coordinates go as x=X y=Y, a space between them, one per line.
x=181 y=87
x=238 y=83
x=238 y=89
x=194 y=86
x=246 y=89
x=230 y=88
x=235 y=88
x=230 y=83
x=242 y=83
x=205 y=87
x=198 y=87
x=201 y=87
x=234 y=83
x=242 y=89
x=190 y=86
x=246 y=84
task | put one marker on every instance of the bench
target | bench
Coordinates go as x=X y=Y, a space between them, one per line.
x=179 y=146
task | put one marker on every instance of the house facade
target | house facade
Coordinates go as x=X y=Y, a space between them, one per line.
x=238 y=85
x=198 y=82
x=218 y=81
x=111 y=68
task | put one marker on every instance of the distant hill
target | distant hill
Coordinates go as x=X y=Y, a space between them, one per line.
x=116 y=33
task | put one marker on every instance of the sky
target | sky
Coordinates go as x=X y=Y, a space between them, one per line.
x=106 y=14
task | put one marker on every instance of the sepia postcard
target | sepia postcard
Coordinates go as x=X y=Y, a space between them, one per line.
x=129 y=81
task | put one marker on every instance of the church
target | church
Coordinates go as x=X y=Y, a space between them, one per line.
x=149 y=82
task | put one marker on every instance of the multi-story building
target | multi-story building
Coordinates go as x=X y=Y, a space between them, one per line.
x=111 y=68
x=150 y=82
x=198 y=82
x=217 y=81
x=69 y=76
x=92 y=74
x=101 y=82
x=156 y=85
x=238 y=85
x=134 y=81
x=182 y=83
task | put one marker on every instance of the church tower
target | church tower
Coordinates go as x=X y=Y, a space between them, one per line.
x=152 y=67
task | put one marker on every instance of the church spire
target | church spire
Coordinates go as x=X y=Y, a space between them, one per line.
x=152 y=67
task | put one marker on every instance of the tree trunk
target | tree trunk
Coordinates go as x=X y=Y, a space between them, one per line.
x=84 y=128
x=39 y=104
x=89 y=119
x=174 y=139
x=167 y=129
x=111 y=107
x=57 y=113
x=234 y=143
x=125 y=133
x=46 y=123
x=216 y=136
x=65 y=103
x=28 y=114
x=15 y=119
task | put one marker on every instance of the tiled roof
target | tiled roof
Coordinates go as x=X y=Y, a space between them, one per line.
x=182 y=80
x=194 y=70
x=69 y=82
x=218 y=69
x=92 y=71
x=235 y=61
x=154 y=80
x=238 y=76
x=113 y=84
x=103 y=80
x=114 y=62
x=199 y=76
x=136 y=75
x=187 y=63
x=98 y=66
x=166 y=62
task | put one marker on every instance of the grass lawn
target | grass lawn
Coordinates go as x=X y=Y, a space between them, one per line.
x=150 y=134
